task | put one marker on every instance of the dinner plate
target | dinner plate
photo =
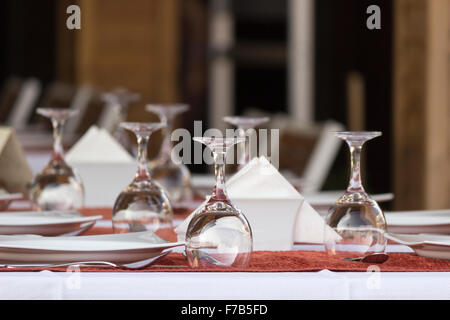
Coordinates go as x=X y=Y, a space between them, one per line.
x=423 y=221
x=116 y=248
x=327 y=199
x=45 y=223
x=425 y=245
x=7 y=198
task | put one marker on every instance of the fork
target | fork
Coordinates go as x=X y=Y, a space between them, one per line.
x=102 y=264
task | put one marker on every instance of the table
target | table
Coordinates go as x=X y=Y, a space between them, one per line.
x=237 y=285
x=306 y=285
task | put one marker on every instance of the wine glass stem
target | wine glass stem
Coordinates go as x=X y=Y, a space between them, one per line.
x=355 y=184
x=58 y=150
x=244 y=152
x=121 y=115
x=166 y=147
x=143 y=172
x=219 y=170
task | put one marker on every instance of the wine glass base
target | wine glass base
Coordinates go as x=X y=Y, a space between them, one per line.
x=142 y=207
x=57 y=187
x=358 y=227
x=218 y=238
x=175 y=179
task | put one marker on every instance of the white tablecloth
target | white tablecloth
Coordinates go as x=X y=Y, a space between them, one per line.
x=155 y=285
x=231 y=285
x=189 y=285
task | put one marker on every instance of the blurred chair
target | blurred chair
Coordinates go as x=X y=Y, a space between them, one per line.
x=307 y=153
x=58 y=95
x=80 y=102
x=322 y=157
x=24 y=104
x=8 y=96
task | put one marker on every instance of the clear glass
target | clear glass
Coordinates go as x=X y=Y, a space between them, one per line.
x=219 y=235
x=173 y=176
x=57 y=186
x=121 y=98
x=357 y=220
x=143 y=205
x=243 y=124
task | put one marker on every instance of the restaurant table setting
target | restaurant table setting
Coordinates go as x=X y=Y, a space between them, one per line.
x=91 y=213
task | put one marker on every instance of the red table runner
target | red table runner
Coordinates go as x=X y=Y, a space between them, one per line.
x=268 y=261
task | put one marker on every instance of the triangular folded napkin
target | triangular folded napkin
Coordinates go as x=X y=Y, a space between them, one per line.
x=15 y=173
x=278 y=215
x=105 y=167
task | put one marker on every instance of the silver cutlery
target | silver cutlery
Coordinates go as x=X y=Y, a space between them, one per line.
x=370 y=258
x=102 y=264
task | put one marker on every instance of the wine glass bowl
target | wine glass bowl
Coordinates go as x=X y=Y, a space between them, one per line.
x=357 y=223
x=219 y=235
x=57 y=186
x=173 y=176
x=143 y=204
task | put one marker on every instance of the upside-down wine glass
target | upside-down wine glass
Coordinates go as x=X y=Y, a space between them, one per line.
x=219 y=235
x=121 y=98
x=57 y=186
x=173 y=176
x=243 y=124
x=143 y=205
x=357 y=224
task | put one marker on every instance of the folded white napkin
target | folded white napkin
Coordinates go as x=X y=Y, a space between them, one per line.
x=277 y=213
x=105 y=167
x=15 y=173
x=98 y=145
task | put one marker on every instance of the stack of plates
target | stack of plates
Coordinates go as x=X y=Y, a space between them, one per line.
x=427 y=232
x=115 y=248
x=426 y=245
x=427 y=221
x=29 y=238
x=45 y=223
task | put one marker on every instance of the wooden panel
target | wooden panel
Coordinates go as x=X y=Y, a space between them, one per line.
x=437 y=105
x=421 y=105
x=65 y=38
x=131 y=44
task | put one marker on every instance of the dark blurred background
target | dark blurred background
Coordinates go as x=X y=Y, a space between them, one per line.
x=234 y=57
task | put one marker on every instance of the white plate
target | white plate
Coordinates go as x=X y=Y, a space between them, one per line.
x=116 y=248
x=7 y=198
x=45 y=223
x=424 y=221
x=425 y=245
x=328 y=198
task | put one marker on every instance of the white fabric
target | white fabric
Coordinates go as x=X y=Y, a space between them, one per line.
x=190 y=286
x=98 y=146
x=187 y=285
x=277 y=213
x=220 y=285
x=103 y=164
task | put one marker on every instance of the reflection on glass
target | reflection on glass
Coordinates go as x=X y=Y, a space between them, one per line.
x=173 y=176
x=357 y=220
x=243 y=124
x=143 y=205
x=121 y=98
x=218 y=234
x=57 y=186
